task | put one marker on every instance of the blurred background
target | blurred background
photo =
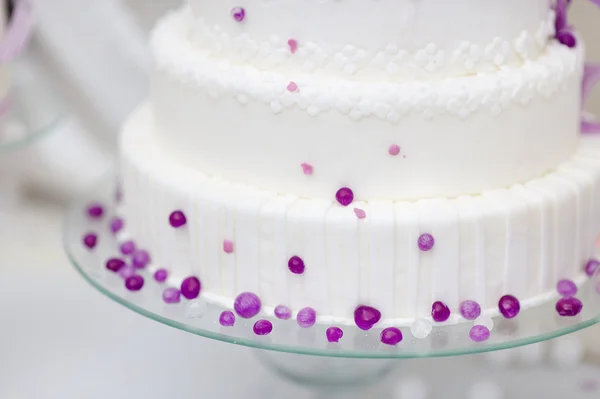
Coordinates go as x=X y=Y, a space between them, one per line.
x=59 y=338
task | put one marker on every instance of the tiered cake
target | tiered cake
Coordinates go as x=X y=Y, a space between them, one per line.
x=386 y=153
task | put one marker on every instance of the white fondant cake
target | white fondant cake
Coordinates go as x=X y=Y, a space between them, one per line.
x=458 y=120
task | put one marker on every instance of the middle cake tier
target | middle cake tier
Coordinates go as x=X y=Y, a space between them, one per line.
x=308 y=136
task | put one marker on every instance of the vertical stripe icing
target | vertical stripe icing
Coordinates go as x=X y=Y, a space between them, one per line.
x=516 y=278
x=406 y=279
x=469 y=219
x=427 y=223
x=364 y=260
x=381 y=215
x=494 y=231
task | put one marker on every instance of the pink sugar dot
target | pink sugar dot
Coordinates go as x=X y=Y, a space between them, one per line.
x=228 y=246
x=394 y=149
x=293 y=44
x=360 y=213
x=307 y=169
x=292 y=87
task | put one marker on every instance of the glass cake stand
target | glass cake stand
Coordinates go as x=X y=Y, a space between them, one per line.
x=358 y=359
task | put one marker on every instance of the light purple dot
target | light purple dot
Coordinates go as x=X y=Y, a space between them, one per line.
x=90 y=240
x=190 y=287
x=334 y=334
x=238 y=13
x=591 y=267
x=227 y=318
x=569 y=307
x=470 y=310
x=171 y=295
x=425 y=242
x=509 y=306
x=366 y=317
x=116 y=224
x=479 y=333
x=177 y=219
x=263 y=327
x=440 y=312
x=306 y=317
x=247 y=305
x=283 y=312
x=127 y=248
x=115 y=264
x=391 y=336
x=95 y=210
x=344 y=196
x=140 y=259
x=161 y=275
x=566 y=287
x=127 y=271
x=134 y=283
x=296 y=265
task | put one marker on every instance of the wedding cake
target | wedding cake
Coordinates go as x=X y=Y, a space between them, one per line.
x=410 y=157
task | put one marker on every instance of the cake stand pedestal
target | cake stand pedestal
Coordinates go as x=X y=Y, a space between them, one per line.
x=331 y=370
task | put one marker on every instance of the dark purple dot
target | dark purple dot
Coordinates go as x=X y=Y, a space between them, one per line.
x=127 y=248
x=238 y=13
x=470 y=310
x=479 y=333
x=283 y=312
x=90 y=240
x=247 y=305
x=134 y=283
x=569 y=307
x=115 y=264
x=190 y=287
x=171 y=295
x=440 y=312
x=161 y=275
x=391 y=336
x=425 y=242
x=344 y=196
x=591 y=267
x=566 y=37
x=140 y=259
x=177 y=219
x=263 y=327
x=296 y=265
x=334 y=334
x=116 y=224
x=227 y=318
x=95 y=210
x=366 y=317
x=566 y=287
x=306 y=317
x=509 y=306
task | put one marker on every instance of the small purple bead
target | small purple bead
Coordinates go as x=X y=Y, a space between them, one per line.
x=479 y=333
x=306 y=317
x=391 y=336
x=238 y=13
x=247 y=305
x=566 y=288
x=263 y=327
x=134 y=283
x=344 y=196
x=470 y=310
x=509 y=306
x=95 y=210
x=566 y=37
x=177 y=219
x=283 y=312
x=569 y=307
x=227 y=319
x=116 y=224
x=440 y=312
x=296 y=265
x=171 y=295
x=115 y=264
x=140 y=259
x=127 y=271
x=190 y=287
x=127 y=248
x=334 y=334
x=425 y=242
x=366 y=317
x=591 y=267
x=161 y=275
x=90 y=240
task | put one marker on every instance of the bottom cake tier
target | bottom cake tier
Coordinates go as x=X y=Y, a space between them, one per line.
x=316 y=253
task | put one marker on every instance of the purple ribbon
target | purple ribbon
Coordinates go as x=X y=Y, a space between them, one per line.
x=18 y=33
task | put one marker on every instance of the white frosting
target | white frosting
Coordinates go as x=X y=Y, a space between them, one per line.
x=363 y=39
x=457 y=136
x=518 y=240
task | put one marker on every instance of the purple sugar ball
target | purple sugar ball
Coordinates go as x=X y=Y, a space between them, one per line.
x=90 y=240
x=566 y=287
x=263 y=327
x=227 y=318
x=247 y=305
x=440 y=312
x=190 y=287
x=115 y=264
x=391 y=336
x=306 y=317
x=171 y=295
x=479 y=333
x=366 y=317
x=334 y=334
x=127 y=271
x=283 y=312
x=95 y=210
x=177 y=219
x=509 y=306
x=161 y=275
x=470 y=310
x=127 y=248
x=591 y=267
x=344 y=196
x=134 y=283
x=140 y=259
x=569 y=307
x=296 y=265
x=116 y=224
x=425 y=242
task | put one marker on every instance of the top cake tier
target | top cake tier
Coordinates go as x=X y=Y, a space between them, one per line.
x=375 y=39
